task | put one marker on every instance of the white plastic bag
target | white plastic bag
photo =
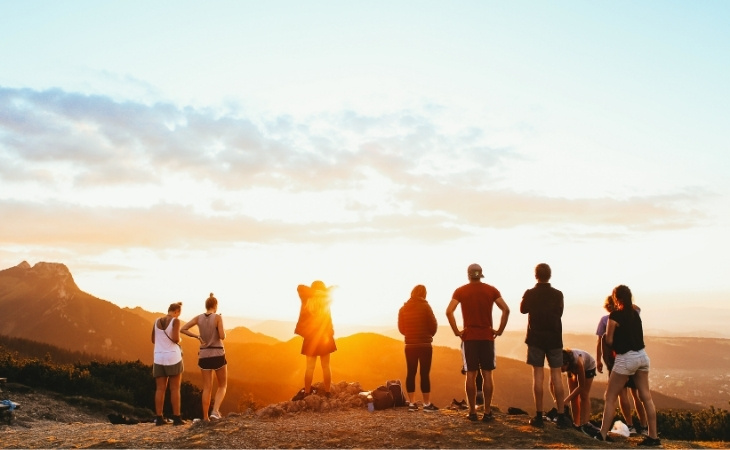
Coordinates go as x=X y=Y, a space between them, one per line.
x=620 y=428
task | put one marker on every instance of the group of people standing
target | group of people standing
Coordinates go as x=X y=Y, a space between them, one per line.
x=620 y=345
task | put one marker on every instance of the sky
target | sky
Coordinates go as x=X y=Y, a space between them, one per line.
x=165 y=150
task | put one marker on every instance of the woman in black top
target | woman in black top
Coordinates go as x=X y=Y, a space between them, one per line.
x=418 y=324
x=625 y=335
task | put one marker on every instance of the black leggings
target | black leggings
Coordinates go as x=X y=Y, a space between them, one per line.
x=414 y=355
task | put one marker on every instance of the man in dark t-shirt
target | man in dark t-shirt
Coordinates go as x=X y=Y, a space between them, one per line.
x=477 y=300
x=543 y=305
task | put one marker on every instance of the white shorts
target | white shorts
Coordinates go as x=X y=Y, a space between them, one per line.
x=628 y=363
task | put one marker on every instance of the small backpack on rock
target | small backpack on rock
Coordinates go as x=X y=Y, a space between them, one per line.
x=382 y=398
x=399 y=398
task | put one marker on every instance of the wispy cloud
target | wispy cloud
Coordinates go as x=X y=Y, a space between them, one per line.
x=397 y=175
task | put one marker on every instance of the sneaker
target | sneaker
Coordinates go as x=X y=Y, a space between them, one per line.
x=650 y=442
x=588 y=430
x=473 y=417
x=159 y=421
x=455 y=405
x=632 y=430
x=638 y=429
x=537 y=421
x=215 y=415
x=430 y=408
x=552 y=415
x=488 y=418
x=598 y=437
x=412 y=407
x=177 y=420
x=299 y=395
x=563 y=422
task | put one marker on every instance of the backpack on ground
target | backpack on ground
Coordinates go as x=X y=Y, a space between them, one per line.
x=382 y=398
x=396 y=390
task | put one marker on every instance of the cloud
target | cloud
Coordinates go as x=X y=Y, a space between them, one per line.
x=402 y=174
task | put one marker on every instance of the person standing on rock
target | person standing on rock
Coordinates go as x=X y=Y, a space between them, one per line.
x=211 y=356
x=417 y=323
x=315 y=326
x=477 y=300
x=168 y=364
x=543 y=305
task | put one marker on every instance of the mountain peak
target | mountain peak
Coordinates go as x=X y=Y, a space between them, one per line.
x=23 y=265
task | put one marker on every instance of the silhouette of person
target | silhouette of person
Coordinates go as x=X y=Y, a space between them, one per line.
x=581 y=369
x=543 y=305
x=625 y=336
x=604 y=352
x=211 y=356
x=167 y=367
x=477 y=300
x=315 y=326
x=417 y=323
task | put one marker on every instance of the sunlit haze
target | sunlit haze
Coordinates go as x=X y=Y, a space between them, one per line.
x=165 y=150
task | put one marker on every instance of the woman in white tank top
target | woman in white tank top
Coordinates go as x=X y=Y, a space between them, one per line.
x=168 y=365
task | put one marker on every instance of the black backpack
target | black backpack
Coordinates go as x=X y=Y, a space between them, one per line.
x=399 y=398
x=382 y=398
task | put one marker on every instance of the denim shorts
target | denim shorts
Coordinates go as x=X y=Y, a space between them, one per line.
x=628 y=363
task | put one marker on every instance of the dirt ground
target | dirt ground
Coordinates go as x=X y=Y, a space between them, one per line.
x=46 y=421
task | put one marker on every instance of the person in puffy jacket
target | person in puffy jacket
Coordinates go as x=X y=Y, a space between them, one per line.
x=417 y=323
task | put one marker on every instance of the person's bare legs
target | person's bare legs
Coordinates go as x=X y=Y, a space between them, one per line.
x=557 y=381
x=624 y=404
x=616 y=383
x=641 y=379
x=324 y=361
x=161 y=383
x=585 y=402
x=538 y=379
x=207 y=389
x=470 y=386
x=309 y=373
x=488 y=389
x=639 y=406
x=222 y=378
x=575 y=402
x=175 y=383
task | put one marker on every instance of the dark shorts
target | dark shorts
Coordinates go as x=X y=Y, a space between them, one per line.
x=212 y=363
x=536 y=357
x=590 y=373
x=318 y=346
x=479 y=354
x=158 y=370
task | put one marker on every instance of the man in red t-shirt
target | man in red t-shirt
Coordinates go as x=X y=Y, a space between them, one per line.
x=477 y=300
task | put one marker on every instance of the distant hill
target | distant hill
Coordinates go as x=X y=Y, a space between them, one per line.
x=44 y=304
x=242 y=335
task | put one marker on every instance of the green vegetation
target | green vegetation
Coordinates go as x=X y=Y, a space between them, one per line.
x=116 y=383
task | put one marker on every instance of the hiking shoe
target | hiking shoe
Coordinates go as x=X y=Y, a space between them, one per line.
x=177 y=420
x=430 y=408
x=412 y=407
x=563 y=422
x=299 y=395
x=488 y=418
x=215 y=415
x=552 y=415
x=650 y=442
x=537 y=421
x=473 y=417
x=588 y=430
x=159 y=421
